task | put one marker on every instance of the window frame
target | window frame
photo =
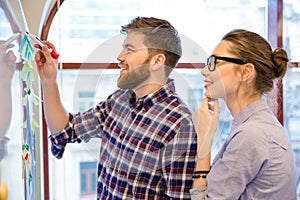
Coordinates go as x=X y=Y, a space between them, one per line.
x=275 y=32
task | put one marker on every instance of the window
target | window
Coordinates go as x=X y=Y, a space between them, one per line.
x=85 y=100
x=80 y=27
x=194 y=98
x=88 y=32
x=291 y=99
x=4 y=26
x=20 y=176
x=88 y=179
x=291 y=39
x=291 y=82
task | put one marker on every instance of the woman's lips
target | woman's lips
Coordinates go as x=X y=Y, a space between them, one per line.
x=207 y=83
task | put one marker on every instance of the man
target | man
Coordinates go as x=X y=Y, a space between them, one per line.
x=148 y=148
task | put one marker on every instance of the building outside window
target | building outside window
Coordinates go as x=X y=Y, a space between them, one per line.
x=88 y=32
x=88 y=179
x=291 y=82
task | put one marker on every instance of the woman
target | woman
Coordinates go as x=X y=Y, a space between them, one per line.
x=256 y=160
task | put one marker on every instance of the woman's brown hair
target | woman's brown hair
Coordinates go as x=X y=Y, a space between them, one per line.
x=253 y=48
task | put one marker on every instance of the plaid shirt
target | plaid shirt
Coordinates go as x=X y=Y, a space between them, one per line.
x=148 y=148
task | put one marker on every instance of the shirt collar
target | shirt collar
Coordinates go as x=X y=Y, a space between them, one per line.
x=149 y=100
x=248 y=111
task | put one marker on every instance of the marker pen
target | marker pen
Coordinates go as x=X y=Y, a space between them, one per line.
x=41 y=43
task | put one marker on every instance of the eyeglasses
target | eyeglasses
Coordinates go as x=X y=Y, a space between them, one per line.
x=212 y=61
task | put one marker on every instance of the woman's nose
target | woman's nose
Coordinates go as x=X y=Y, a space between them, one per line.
x=204 y=71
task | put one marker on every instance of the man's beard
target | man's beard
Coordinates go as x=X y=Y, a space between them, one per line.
x=131 y=79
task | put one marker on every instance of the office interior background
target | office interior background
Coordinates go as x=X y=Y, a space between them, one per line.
x=87 y=35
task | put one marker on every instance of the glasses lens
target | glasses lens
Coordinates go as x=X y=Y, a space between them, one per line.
x=211 y=63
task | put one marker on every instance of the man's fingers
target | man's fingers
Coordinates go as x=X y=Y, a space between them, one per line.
x=50 y=45
x=40 y=58
x=37 y=46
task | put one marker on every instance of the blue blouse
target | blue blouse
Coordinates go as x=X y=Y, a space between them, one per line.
x=255 y=162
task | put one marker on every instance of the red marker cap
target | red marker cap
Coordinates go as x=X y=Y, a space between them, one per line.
x=54 y=54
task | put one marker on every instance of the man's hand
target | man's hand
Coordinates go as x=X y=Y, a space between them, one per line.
x=47 y=66
x=7 y=62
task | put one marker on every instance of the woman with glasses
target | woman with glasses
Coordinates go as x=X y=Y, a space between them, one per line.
x=256 y=159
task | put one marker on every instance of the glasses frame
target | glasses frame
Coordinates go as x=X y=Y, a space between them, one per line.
x=212 y=61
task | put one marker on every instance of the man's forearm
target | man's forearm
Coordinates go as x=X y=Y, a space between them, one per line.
x=56 y=116
x=5 y=108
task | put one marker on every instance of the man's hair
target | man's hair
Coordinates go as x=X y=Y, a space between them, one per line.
x=160 y=37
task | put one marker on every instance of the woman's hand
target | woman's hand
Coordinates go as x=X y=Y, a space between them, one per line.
x=206 y=119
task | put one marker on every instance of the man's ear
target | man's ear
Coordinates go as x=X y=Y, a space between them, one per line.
x=247 y=72
x=158 y=61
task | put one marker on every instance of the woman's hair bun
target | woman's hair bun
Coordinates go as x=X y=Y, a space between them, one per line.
x=280 y=60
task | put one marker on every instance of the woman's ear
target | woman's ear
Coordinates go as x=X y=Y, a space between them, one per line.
x=247 y=72
x=158 y=61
